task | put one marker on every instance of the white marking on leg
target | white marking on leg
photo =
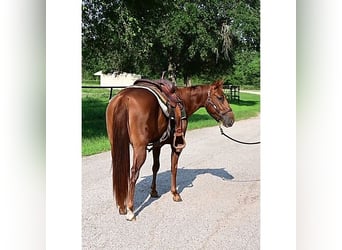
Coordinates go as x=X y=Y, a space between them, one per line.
x=130 y=215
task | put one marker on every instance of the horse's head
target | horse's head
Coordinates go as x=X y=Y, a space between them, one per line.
x=217 y=105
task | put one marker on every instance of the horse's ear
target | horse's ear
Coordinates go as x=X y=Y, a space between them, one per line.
x=218 y=84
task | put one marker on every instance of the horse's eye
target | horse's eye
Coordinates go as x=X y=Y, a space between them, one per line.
x=220 y=98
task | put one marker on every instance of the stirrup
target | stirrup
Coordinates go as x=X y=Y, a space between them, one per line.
x=178 y=147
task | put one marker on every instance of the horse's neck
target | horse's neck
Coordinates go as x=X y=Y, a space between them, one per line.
x=194 y=97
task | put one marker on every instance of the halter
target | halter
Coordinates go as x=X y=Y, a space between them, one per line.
x=218 y=112
x=221 y=113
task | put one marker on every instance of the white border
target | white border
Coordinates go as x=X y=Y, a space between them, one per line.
x=319 y=125
x=63 y=102
x=278 y=125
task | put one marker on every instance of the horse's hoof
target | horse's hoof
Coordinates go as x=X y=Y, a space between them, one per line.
x=154 y=194
x=177 y=198
x=122 y=211
x=133 y=219
x=130 y=215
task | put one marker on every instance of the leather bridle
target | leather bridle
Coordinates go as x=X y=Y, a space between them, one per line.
x=219 y=113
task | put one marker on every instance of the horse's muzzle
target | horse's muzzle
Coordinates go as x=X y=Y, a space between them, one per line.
x=228 y=120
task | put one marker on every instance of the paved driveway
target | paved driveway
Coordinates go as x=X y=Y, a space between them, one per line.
x=219 y=181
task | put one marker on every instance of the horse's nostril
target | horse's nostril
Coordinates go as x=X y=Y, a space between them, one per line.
x=231 y=123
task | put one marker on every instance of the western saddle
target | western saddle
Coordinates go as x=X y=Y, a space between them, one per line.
x=177 y=121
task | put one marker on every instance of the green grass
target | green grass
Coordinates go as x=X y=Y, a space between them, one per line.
x=91 y=82
x=94 y=103
x=94 y=135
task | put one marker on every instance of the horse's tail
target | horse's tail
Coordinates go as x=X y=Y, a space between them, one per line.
x=120 y=154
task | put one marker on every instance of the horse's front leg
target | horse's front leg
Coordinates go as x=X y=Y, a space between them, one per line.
x=174 y=165
x=155 y=168
x=139 y=156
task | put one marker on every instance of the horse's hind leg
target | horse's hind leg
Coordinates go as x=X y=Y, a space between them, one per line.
x=139 y=157
x=155 y=168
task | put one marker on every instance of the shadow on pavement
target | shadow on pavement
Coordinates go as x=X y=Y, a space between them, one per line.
x=185 y=179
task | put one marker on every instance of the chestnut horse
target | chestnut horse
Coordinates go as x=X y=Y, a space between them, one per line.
x=134 y=117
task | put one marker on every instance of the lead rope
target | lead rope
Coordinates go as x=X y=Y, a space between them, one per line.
x=247 y=143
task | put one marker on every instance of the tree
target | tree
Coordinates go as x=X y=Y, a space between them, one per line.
x=246 y=70
x=188 y=37
x=112 y=37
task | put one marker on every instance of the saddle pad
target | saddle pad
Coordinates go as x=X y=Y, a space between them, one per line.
x=156 y=92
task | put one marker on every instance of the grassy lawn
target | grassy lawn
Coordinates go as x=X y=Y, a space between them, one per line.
x=94 y=103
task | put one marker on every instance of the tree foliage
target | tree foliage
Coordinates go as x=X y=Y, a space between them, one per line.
x=192 y=38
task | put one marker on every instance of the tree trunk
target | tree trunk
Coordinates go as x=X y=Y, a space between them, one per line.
x=171 y=72
x=187 y=81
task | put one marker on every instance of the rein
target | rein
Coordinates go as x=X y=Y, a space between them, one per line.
x=247 y=143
